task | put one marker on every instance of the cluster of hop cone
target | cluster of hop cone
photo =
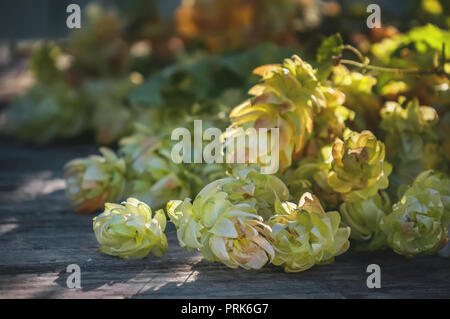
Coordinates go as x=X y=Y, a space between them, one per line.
x=333 y=184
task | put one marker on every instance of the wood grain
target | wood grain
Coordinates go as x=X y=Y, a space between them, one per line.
x=40 y=235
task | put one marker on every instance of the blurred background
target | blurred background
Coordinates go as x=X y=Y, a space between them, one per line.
x=152 y=53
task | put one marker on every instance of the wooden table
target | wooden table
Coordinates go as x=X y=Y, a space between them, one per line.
x=40 y=235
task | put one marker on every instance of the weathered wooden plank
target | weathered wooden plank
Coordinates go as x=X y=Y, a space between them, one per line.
x=40 y=235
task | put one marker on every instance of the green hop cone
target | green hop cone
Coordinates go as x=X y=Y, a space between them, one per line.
x=410 y=140
x=304 y=235
x=92 y=181
x=364 y=218
x=418 y=222
x=130 y=230
x=154 y=177
x=223 y=221
x=287 y=99
x=358 y=169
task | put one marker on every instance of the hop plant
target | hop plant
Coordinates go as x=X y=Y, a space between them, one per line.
x=289 y=98
x=357 y=167
x=304 y=235
x=130 y=230
x=418 y=222
x=364 y=218
x=223 y=221
x=330 y=123
x=410 y=139
x=92 y=181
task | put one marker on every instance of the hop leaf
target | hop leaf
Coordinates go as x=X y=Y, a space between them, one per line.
x=130 y=230
x=92 y=181
x=330 y=48
x=304 y=235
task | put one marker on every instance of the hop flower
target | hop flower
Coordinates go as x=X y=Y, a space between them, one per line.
x=358 y=90
x=130 y=231
x=154 y=177
x=418 y=222
x=291 y=98
x=223 y=221
x=358 y=169
x=287 y=99
x=364 y=218
x=304 y=235
x=92 y=181
x=410 y=139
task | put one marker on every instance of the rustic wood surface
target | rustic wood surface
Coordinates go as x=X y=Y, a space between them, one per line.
x=40 y=235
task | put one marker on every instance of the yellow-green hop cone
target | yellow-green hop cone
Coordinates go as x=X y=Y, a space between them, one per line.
x=358 y=169
x=92 y=181
x=304 y=235
x=364 y=218
x=418 y=222
x=154 y=177
x=224 y=220
x=287 y=99
x=232 y=234
x=130 y=230
x=411 y=143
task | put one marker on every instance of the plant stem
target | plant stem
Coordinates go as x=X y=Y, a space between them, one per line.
x=393 y=70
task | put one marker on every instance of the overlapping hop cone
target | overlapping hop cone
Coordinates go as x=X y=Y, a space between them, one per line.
x=288 y=99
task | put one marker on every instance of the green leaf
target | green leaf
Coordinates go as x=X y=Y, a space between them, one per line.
x=330 y=47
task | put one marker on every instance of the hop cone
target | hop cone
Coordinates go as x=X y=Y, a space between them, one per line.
x=418 y=222
x=223 y=220
x=154 y=177
x=364 y=218
x=358 y=169
x=304 y=235
x=410 y=140
x=287 y=99
x=130 y=230
x=92 y=181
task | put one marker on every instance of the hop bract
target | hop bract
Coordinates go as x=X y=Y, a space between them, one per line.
x=364 y=218
x=358 y=169
x=304 y=235
x=223 y=221
x=418 y=222
x=92 y=181
x=130 y=231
